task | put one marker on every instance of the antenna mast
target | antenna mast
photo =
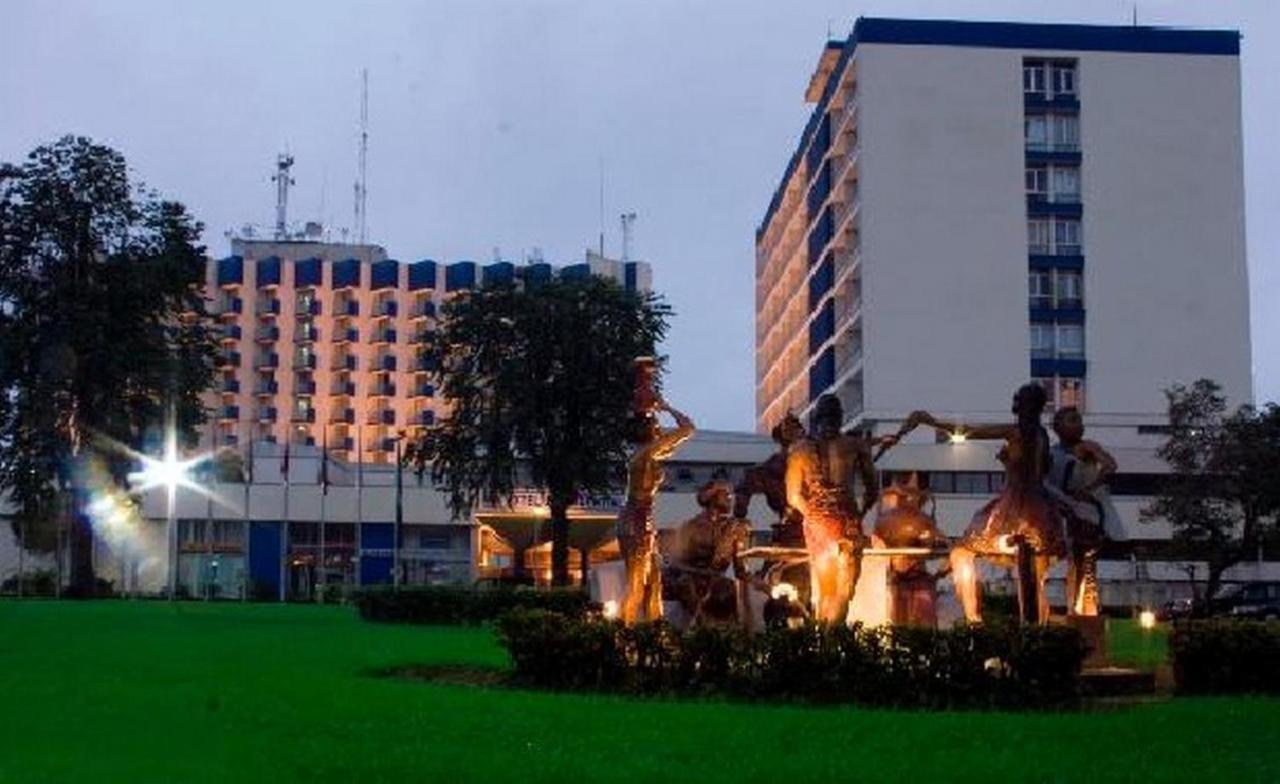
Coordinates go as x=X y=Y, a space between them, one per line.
x=628 y=218
x=362 y=192
x=282 y=179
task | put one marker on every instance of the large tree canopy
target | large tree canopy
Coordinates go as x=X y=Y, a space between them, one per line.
x=1222 y=495
x=539 y=384
x=103 y=328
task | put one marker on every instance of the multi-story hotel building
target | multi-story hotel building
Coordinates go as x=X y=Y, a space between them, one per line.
x=320 y=342
x=972 y=205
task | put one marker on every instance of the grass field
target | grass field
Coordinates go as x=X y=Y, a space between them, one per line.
x=142 y=692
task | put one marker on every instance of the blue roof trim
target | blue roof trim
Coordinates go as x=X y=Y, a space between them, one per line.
x=1019 y=35
x=1007 y=35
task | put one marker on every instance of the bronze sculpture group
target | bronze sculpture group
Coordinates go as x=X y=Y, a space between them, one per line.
x=821 y=485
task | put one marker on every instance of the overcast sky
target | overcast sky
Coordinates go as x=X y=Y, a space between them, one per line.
x=490 y=123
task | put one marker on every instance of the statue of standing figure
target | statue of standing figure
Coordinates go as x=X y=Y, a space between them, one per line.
x=821 y=469
x=637 y=533
x=1021 y=526
x=1078 y=479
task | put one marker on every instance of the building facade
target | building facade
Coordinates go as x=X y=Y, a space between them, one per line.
x=320 y=342
x=972 y=205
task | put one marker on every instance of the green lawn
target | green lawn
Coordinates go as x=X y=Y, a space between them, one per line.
x=142 y=692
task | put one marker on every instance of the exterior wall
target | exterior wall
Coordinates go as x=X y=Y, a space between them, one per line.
x=944 y=233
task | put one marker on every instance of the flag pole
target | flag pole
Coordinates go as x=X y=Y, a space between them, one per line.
x=321 y=569
x=284 y=533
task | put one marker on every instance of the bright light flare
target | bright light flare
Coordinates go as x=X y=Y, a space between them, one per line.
x=610 y=609
x=1147 y=620
x=785 y=591
x=958 y=437
x=168 y=472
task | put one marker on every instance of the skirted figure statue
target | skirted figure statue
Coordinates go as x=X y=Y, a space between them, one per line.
x=1020 y=527
x=637 y=533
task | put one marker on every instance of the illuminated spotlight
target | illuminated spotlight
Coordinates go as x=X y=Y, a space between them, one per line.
x=1147 y=619
x=785 y=591
x=169 y=472
x=958 y=437
x=610 y=608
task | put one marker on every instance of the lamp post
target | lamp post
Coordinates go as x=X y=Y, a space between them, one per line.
x=395 y=541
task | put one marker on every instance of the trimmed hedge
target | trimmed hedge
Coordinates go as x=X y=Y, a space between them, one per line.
x=969 y=666
x=449 y=605
x=1221 y=656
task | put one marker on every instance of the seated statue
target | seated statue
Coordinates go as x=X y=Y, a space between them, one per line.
x=902 y=522
x=1078 y=481
x=699 y=554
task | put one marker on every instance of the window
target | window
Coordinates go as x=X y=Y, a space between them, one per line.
x=1041 y=287
x=1036 y=132
x=1070 y=290
x=1070 y=342
x=1064 y=79
x=1066 y=185
x=1037 y=183
x=1066 y=132
x=972 y=483
x=1066 y=237
x=1033 y=81
x=1042 y=341
x=1071 y=392
x=1038 y=237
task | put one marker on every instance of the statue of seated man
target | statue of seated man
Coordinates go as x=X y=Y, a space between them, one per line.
x=700 y=552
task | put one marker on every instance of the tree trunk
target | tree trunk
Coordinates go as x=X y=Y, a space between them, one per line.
x=560 y=538
x=83 y=583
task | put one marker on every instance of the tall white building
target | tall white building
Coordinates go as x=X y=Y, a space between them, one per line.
x=973 y=205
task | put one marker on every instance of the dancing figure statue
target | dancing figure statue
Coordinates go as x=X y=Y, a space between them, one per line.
x=820 y=487
x=637 y=535
x=702 y=549
x=1078 y=480
x=1021 y=526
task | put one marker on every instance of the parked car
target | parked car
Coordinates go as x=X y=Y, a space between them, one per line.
x=1252 y=600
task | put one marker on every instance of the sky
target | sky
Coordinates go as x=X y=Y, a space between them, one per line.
x=493 y=124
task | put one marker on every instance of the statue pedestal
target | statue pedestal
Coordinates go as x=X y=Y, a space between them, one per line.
x=871 y=604
x=1093 y=628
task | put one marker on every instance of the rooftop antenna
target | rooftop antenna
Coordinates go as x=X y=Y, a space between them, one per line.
x=282 y=179
x=362 y=192
x=602 y=206
x=628 y=218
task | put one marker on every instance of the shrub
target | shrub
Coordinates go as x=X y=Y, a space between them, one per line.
x=452 y=605
x=969 y=666
x=1220 y=656
x=42 y=582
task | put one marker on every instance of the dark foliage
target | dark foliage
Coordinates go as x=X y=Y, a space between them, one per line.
x=445 y=605
x=969 y=666
x=103 y=331
x=1222 y=495
x=1222 y=656
x=539 y=382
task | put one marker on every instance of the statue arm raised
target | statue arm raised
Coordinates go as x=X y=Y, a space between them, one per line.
x=975 y=432
x=670 y=440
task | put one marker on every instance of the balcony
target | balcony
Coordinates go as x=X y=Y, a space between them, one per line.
x=230 y=386
x=422 y=336
x=424 y=309
x=304 y=415
x=306 y=335
x=229 y=306
x=341 y=388
x=266 y=334
x=385 y=363
x=383 y=389
x=229 y=359
x=426 y=418
x=386 y=308
x=267 y=388
x=308 y=308
x=267 y=361
x=422 y=390
x=269 y=306
x=384 y=417
x=345 y=444
x=304 y=362
x=343 y=416
x=343 y=362
x=346 y=335
x=304 y=388
x=231 y=332
x=267 y=414
x=349 y=307
x=382 y=336
x=229 y=413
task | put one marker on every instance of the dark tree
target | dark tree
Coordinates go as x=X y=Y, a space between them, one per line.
x=1222 y=495
x=539 y=384
x=103 y=330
